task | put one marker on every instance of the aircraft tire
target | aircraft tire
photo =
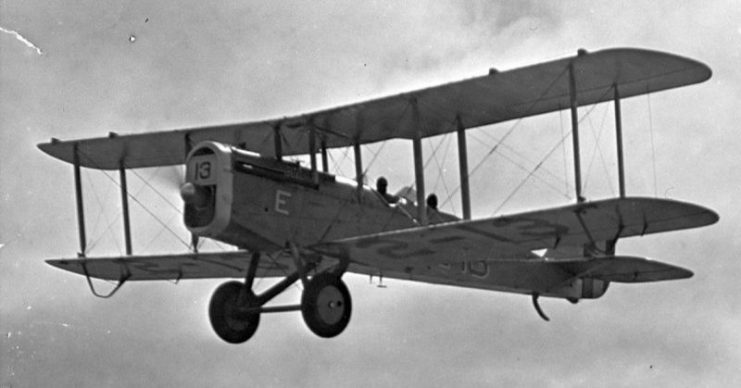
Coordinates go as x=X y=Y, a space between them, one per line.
x=229 y=323
x=326 y=305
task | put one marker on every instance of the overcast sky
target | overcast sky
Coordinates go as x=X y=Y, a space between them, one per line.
x=81 y=69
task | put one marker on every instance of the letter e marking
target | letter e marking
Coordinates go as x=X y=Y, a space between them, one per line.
x=281 y=201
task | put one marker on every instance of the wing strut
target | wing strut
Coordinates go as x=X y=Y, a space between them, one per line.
x=619 y=141
x=80 y=207
x=125 y=208
x=312 y=154
x=358 y=168
x=575 y=129
x=419 y=172
x=463 y=168
x=277 y=141
x=325 y=160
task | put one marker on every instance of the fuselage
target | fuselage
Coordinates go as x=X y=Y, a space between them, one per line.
x=263 y=204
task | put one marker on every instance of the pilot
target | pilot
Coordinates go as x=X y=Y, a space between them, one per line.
x=433 y=216
x=382 y=188
x=432 y=202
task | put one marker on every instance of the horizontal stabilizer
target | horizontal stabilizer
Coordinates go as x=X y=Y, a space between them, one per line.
x=173 y=267
x=625 y=269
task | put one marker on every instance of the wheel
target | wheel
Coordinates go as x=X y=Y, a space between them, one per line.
x=227 y=312
x=326 y=305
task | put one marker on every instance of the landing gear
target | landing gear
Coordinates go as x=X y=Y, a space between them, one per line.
x=233 y=312
x=326 y=304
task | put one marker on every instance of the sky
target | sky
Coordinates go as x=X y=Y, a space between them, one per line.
x=82 y=69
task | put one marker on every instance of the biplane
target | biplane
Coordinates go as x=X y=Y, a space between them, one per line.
x=303 y=224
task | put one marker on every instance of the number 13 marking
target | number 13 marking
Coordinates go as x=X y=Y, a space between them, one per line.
x=203 y=170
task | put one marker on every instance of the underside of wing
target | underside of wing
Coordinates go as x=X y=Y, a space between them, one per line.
x=515 y=237
x=496 y=97
x=175 y=267
x=557 y=278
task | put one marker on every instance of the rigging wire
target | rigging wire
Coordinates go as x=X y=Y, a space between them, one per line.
x=519 y=120
x=117 y=183
x=375 y=156
x=563 y=149
x=563 y=138
x=431 y=158
x=598 y=150
x=514 y=126
x=521 y=184
x=440 y=164
x=147 y=184
x=523 y=168
x=93 y=243
x=338 y=164
x=133 y=196
x=524 y=157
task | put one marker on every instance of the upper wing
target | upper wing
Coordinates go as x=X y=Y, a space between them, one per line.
x=515 y=237
x=470 y=103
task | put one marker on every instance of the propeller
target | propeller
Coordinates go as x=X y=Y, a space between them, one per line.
x=173 y=178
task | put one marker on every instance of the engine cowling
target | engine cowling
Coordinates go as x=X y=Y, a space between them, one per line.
x=207 y=191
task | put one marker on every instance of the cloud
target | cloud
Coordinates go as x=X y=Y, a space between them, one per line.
x=22 y=39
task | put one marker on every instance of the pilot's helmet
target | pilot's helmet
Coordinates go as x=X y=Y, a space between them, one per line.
x=381 y=184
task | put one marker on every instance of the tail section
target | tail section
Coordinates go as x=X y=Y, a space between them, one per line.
x=625 y=269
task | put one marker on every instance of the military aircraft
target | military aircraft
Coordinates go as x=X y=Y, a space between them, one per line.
x=305 y=224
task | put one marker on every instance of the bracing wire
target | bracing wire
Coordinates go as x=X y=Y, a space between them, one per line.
x=598 y=150
x=162 y=223
x=337 y=165
x=159 y=194
x=530 y=174
x=523 y=156
x=375 y=156
x=563 y=152
x=445 y=139
x=517 y=123
x=560 y=142
x=92 y=244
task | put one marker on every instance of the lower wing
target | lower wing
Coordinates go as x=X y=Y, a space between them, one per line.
x=176 y=266
x=515 y=237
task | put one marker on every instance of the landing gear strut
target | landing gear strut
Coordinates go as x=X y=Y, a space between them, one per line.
x=326 y=304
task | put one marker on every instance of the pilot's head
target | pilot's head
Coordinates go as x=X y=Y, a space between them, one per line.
x=432 y=201
x=381 y=185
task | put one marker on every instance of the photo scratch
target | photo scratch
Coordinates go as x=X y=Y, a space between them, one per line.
x=23 y=40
